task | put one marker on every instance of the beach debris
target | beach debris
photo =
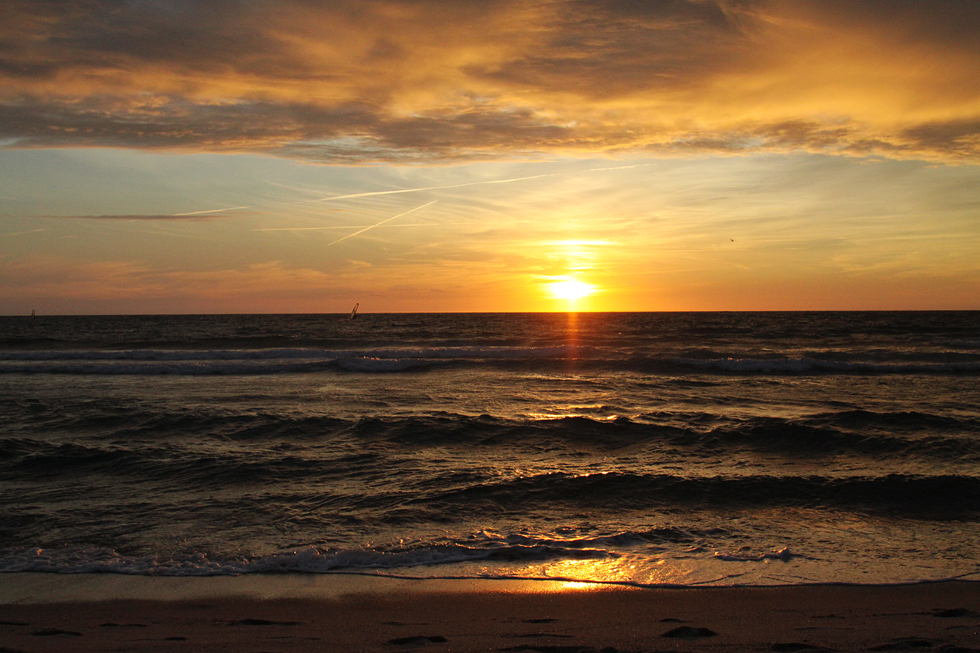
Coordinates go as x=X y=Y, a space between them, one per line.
x=263 y=622
x=402 y=623
x=115 y=625
x=688 y=632
x=793 y=647
x=563 y=649
x=54 y=632
x=418 y=639
x=953 y=613
x=904 y=644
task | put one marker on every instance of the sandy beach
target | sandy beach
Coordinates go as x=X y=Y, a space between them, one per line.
x=267 y=614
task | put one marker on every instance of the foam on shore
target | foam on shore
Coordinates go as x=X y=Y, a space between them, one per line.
x=34 y=588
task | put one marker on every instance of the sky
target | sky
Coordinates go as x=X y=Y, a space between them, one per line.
x=301 y=156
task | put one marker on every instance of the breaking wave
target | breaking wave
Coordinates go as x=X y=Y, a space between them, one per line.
x=397 y=360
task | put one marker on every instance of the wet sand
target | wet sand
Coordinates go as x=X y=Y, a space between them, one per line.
x=40 y=612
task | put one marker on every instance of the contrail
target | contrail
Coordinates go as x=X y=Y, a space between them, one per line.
x=234 y=208
x=417 y=190
x=335 y=227
x=636 y=165
x=333 y=198
x=21 y=233
x=381 y=223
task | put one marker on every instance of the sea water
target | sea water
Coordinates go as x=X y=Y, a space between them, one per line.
x=630 y=448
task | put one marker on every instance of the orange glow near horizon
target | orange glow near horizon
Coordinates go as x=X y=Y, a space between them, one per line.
x=413 y=157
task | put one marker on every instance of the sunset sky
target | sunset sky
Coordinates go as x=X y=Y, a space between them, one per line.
x=182 y=156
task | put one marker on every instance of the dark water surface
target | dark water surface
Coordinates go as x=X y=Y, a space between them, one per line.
x=697 y=448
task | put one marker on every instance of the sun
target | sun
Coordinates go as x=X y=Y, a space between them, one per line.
x=570 y=289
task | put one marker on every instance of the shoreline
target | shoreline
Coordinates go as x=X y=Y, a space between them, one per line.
x=32 y=587
x=97 y=612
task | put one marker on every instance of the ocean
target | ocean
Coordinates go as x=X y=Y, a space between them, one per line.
x=625 y=448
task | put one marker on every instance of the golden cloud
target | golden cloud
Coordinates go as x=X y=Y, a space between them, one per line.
x=427 y=80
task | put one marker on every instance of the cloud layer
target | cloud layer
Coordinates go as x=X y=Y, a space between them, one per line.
x=434 y=80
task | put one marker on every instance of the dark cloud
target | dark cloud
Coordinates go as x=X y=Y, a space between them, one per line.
x=953 y=23
x=168 y=123
x=958 y=137
x=115 y=33
x=624 y=48
x=427 y=80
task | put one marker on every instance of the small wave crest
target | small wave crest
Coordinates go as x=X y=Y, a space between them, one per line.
x=513 y=548
x=268 y=361
x=165 y=444
x=794 y=366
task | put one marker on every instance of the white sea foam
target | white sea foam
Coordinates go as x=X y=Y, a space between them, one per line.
x=783 y=555
x=681 y=570
x=303 y=560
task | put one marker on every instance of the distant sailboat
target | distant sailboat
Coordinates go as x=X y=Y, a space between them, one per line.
x=33 y=312
x=353 y=313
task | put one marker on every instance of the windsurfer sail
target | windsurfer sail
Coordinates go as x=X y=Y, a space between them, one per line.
x=353 y=313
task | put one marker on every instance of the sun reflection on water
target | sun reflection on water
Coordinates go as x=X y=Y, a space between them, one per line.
x=589 y=574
